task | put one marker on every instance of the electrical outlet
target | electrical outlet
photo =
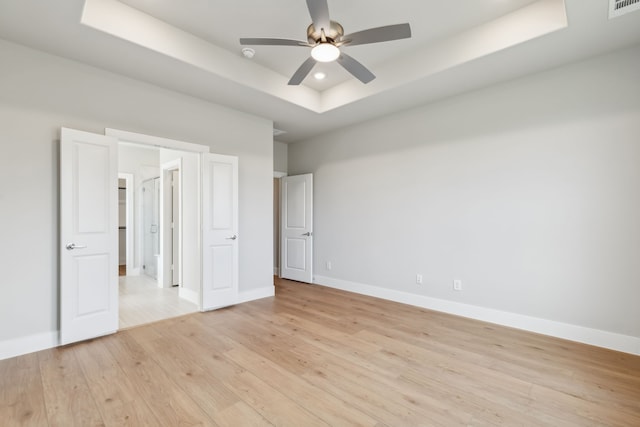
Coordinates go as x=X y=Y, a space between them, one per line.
x=457 y=285
x=328 y=265
x=419 y=279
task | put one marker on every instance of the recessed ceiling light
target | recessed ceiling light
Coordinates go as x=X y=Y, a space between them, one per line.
x=319 y=75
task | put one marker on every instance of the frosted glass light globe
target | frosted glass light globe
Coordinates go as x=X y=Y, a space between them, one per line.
x=325 y=52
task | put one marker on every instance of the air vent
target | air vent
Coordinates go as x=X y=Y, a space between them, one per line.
x=278 y=132
x=622 y=7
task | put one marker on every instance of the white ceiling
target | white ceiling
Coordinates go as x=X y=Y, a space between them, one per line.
x=223 y=23
x=192 y=46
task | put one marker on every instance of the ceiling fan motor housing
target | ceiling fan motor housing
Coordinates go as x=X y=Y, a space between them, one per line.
x=333 y=34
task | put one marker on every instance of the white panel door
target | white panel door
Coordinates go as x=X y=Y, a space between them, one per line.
x=296 y=246
x=219 y=231
x=88 y=235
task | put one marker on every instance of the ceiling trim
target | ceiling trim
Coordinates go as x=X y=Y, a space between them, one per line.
x=122 y=21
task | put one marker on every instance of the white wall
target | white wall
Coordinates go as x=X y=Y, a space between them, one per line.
x=280 y=156
x=529 y=192
x=40 y=93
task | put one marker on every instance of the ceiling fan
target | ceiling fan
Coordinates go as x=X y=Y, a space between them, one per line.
x=325 y=38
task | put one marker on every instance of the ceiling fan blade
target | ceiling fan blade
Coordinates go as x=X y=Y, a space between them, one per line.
x=319 y=11
x=302 y=72
x=358 y=70
x=272 y=42
x=378 y=34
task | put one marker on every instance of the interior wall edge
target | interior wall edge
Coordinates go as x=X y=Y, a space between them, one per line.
x=581 y=334
x=255 y=294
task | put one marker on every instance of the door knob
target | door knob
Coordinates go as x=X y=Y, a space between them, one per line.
x=234 y=237
x=72 y=246
x=307 y=233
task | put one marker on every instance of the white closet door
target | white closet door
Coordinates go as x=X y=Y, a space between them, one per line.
x=220 y=236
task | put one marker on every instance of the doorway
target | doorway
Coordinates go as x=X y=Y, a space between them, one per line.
x=152 y=290
x=122 y=226
x=150 y=227
x=171 y=220
x=88 y=189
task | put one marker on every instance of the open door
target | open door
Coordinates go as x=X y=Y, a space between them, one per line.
x=296 y=246
x=219 y=231
x=170 y=223
x=88 y=235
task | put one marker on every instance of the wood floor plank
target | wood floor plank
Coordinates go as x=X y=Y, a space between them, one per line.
x=115 y=394
x=327 y=407
x=273 y=405
x=21 y=393
x=206 y=387
x=576 y=408
x=171 y=405
x=315 y=356
x=241 y=412
x=66 y=392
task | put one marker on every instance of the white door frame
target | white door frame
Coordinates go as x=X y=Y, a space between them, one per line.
x=277 y=218
x=137 y=138
x=165 y=274
x=128 y=177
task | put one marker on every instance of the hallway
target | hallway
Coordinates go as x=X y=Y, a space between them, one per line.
x=142 y=301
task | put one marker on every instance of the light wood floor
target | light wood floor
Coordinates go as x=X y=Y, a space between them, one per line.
x=142 y=301
x=314 y=356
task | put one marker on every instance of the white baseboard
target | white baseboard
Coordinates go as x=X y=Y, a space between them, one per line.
x=610 y=340
x=625 y=343
x=29 y=344
x=133 y=271
x=189 y=295
x=255 y=294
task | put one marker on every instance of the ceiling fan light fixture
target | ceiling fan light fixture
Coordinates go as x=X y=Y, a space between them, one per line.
x=325 y=52
x=325 y=38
